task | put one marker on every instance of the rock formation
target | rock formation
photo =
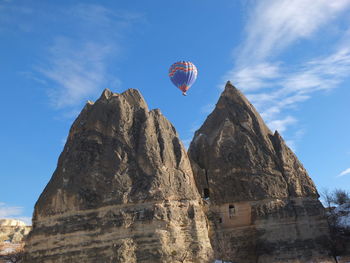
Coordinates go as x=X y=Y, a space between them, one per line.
x=13 y=230
x=123 y=191
x=262 y=205
x=12 y=235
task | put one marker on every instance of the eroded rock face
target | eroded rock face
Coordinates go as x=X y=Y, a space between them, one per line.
x=123 y=191
x=13 y=233
x=13 y=230
x=262 y=204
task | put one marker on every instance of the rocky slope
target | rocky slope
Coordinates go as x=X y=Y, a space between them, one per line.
x=12 y=235
x=12 y=230
x=262 y=204
x=123 y=191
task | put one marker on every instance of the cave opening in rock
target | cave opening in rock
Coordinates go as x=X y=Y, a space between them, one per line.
x=206 y=193
x=231 y=211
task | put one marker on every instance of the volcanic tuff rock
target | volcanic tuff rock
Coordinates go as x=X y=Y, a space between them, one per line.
x=13 y=230
x=12 y=235
x=262 y=204
x=123 y=191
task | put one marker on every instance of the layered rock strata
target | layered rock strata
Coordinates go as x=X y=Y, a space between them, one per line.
x=262 y=204
x=123 y=191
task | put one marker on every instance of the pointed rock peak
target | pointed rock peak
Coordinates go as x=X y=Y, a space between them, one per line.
x=157 y=112
x=106 y=94
x=229 y=85
x=231 y=93
x=121 y=168
x=132 y=92
x=234 y=107
x=88 y=105
x=278 y=141
x=134 y=97
x=131 y=96
x=277 y=135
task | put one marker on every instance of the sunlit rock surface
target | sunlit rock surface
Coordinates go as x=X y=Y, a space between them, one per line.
x=123 y=191
x=13 y=230
x=262 y=205
x=12 y=237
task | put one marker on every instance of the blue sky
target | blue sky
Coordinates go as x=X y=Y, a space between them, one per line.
x=291 y=59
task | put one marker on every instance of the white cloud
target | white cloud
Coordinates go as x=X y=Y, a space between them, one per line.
x=275 y=24
x=76 y=64
x=345 y=172
x=281 y=125
x=275 y=87
x=8 y=211
x=293 y=141
x=98 y=15
x=291 y=88
x=254 y=77
x=13 y=212
x=321 y=73
x=77 y=69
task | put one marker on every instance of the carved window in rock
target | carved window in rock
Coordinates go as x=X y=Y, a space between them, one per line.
x=206 y=193
x=140 y=215
x=231 y=211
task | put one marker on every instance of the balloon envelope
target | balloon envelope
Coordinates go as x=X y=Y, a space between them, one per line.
x=183 y=74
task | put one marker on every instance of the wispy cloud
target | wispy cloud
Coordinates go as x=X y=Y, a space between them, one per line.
x=8 y=211
x=78 y=70
x=345 y=172
x=293 y=140
x=81 y=41
x=281 y=125
x=254 y=77
x=76 y=63
x=275 y=24
x=291 y=88
x=13 y=212
x=11 y=13
x=274 y=86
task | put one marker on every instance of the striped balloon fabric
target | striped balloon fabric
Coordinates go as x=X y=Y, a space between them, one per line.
x=183 y=74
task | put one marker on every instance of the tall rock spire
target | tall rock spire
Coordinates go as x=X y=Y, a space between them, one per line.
x=262 y=204
x=123 y=191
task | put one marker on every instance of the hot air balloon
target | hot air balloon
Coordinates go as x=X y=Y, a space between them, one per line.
x=183 y=74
